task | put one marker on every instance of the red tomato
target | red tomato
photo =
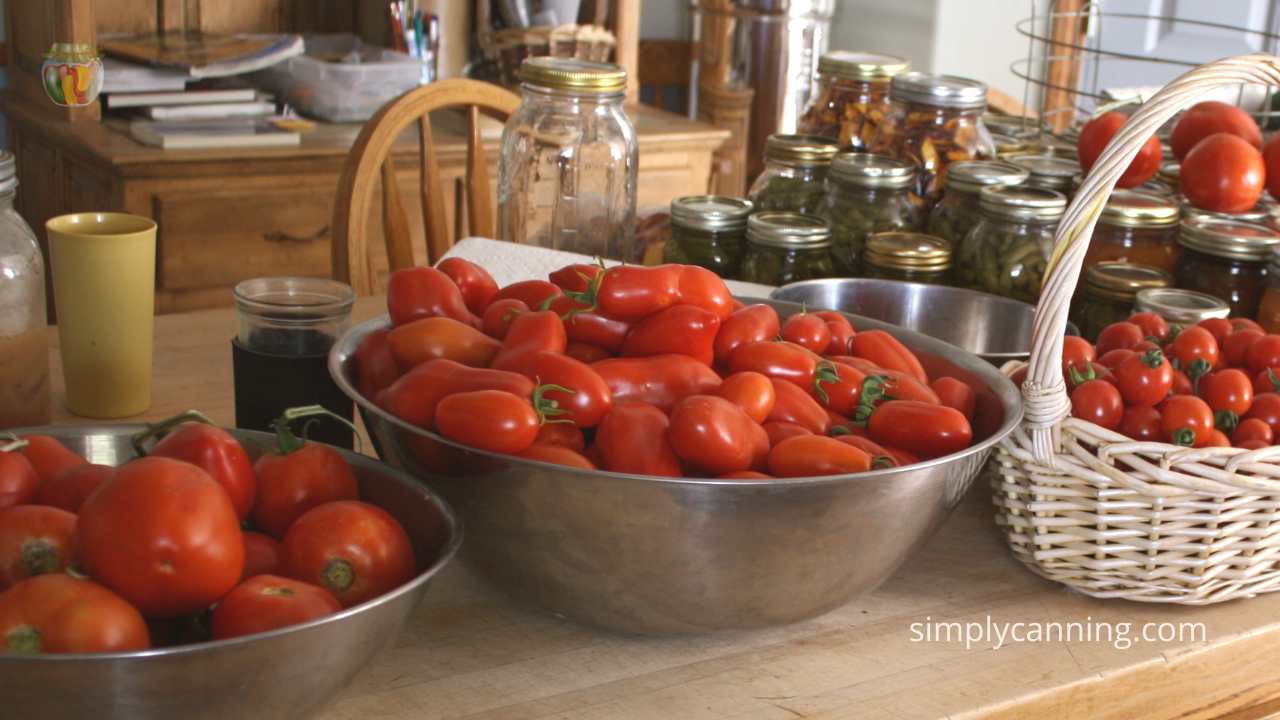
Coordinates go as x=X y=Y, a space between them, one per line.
x=750 y=391
x=746 y=475
x=880 y=457
x=838 y=387
x=587 y=399
x=1208 y=118
x=1217 y=438
x=1186 y=420
x=474 y=282
x=1244 y=323
x=1094 y=137
x=1181 y=384
x=1153 y=326
x=900 y=385
x=794 y=405
x=1236 y=347
x=779 y=431
x=1098 y=402
x=1195 y=351
x=920 y=428
x=530 y=334
x=1266 y=407
x=1145 y=379
x=1252 y=429
x=355 y=550
x=956 y=394
x=162 y=534
x=1115 y=358
x=48 y=456
x=838 y=425
x=1220 y=328
x=422 y=292
x=58 y=613
x=376 y=367
x=632 y=292
x=575 y=278
x=70 y=489
x=499 y=315
x=751 y=324
x=1271 y=159
x=296 y=480
x=418 y=341
x=19 y=481
x=632 y=438
x=415 y=396
x=712 y=434
x=1267 y=381
x=584 y=353
x=566 y=435
x=590 y=327
x=557 y=455
x=703 y=288
x=1076 y=352
x=213 y=450
x=1096 y=371
x=1229 y=394
x=808 y=331
x=488 y=420
x=1263 y=354
x=1019 y=376
x=1222 y=173
x=677 y=330
x=266 y=602
x=1251 y=445
x=886 y=351
x=262 y=555
x=533 y=293
x=661 y=380
x=1142 y=423
x=777 y=360
x=842 y=332
x=34 y=540
x=815 y=455
x=1118 y=336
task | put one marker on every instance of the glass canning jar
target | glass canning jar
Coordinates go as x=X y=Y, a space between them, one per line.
x=956 y=214
x=24 y=335
x=567 y=173
x=1269 y=308
x=1181 y=307
x=795 y=173
x=785 y=247
x=1007 y=252
x=1109 y=292
x=853 y=97
x=1048 y=172
x=710 y=231
x=1136 y=227
x=907 y=256
x=867 y=193
x=1226 y=259
x=934 y=120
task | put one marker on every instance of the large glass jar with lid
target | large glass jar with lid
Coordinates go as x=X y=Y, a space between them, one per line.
x=795 y=173
x=1226 y=259
x=567 y=174
x=934 y=120
x=708 y=230
x=1007 y=252
x=1109 y=292
x=24 y=337
x=786 y=247
x=853 y=97
x=1048 y=172
x=867 y=193
x=956 y=214
x=1269 y=308
x=1136 y=227
x=907 y=256
x=1180 y=307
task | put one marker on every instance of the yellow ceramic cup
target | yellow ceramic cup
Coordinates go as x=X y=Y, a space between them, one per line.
x=104 y=270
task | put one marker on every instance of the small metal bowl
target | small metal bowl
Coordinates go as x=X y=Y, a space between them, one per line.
x=286 y=673
x=654 y=555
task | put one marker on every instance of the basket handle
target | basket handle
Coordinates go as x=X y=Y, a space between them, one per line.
x=1044 y=392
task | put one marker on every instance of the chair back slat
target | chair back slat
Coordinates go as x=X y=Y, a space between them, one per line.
x=432 y=189
x=395 y=221
x=479 y=199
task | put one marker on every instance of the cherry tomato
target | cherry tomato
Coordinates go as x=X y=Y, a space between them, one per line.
x=920 y=428
x=779 y=431
x=679 y=330
x=262 y=555
x=474 y=282
x=1263 y=354
x=566 y=435
x=69 y=490
x=533 y=293
x=530 y=334
x=1113 y=359
x=499 y=315
x=1186 y=420
x=1208 y=118
x=355 y=550
x=19 y=481
x=712 y=434
x=1195 y=350
x=48 y=456
x=1145 y=379
x=418 y=341
x=1266 y=407
x=1019 y=376
x=750 y=391
x=296 y=479
x=415 y=396
x=661 y=380
x=1096 y=371
x=490 y=420
x=838 y=387
x=163 y=535
x=1142 y=423
x=1118 y=336
x=1220 y=328
x=886 y=351
x=1222 y=173
x=1252 y=429
x=34 y=540
x=703 y=288
x=423 y=292
x=842 y=332
x=588 y=398
x=777 y=360
x=266 y=602
x=632 y=292
x=57 y=613
x=880 y=457
x=632 y=438
x=1244 y=323
x=1235 y=349
x=956 y=394
x=1217 y=438
x=1098 y=402
x=808 y=331
x=213 y=450
x=815 y=455
x=1229 y=394
x=793 y=405
x=1145 y=346
x=1181 y=384
x=1267 y=381
x=1271 y=159
x=557 y=455
x=584 y=353
x=1094 y=137
x=1153 y=326
x=376 y=367
x=1076 y=352
x=751 y=324
x=575 y=278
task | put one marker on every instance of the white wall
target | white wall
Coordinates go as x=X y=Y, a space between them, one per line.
x=897 y=27
x=665 y=19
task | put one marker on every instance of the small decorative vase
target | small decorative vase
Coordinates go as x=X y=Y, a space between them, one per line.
x=72 y=74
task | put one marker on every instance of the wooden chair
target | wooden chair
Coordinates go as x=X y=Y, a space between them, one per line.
x=371 y=158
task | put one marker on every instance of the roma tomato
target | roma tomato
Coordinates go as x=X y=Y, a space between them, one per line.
x=898 y=385
x=777 y=360
x=418 y=341
x=163 y=535
x=474 y=282
x=575 y=278
x=58 y=613
x=632 y=438
x=533 y=293
x=779 y=431
x=376 y=367
x=48 y=456
x=1208 y=118
x=296 y=479
x=1263 y=354
x=582 y=352
x=565 y=435
x=1076 y=352
x=955 y=394
x=262 y=555
x=34 y=540
x=703 y=288
x=1142 y=423
x=1235 y=349
x=355 y=550
x=587 y=399
x=1267 y=381
x=211 y=449
x=1098 y=402
x=794 y=405
x=499 y=315
x=662 y=380
x=19 y=481
x=750 y=391
x=423 y=292
x=488 y=420
x=530 y=334
x=266 y=602
x=920 y=428
x=886 y=351
x=69 y=490
x=751 y=324
x=838 y=425
x=1195 y=350
x=881 y=458
x=415 y=396
x=815 y=455
x=557 y=455
x=677 y=330
x=838 y=387
x=1252 y=429
x=712 y=434
x=1186 y=420
x=1271 y=159
x=1266 y=407
x=1118 y=336
x=1153 y=326
x=1220 y=328
x=842 y=332
x=633 y=292
x=746 y=475
x=1222 y=173
x=1229 y=394
x=808 y=331
x=593 y=328
x=1094 y=137
x=1145 y=379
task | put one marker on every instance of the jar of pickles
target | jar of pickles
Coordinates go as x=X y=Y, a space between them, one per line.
x=1269 y=308
x=1048 y=172
x=1226 y=259
x=1136 y=227
x=784 y=247
x=956 y=214
x=867 y=193
x=853 y=97
x=708 y=230
x=935 y=120
x=1180 y=307
x=1007 y=252
x=795 y=173
x=1109 y=292
x=907 y=256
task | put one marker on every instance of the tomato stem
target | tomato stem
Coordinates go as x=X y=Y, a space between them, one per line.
x=838 y=430
x=1151 y=358
x=882 y=462
x=1226 y=421
x=1079 y=378
x=874 y=390
x=39 y=557
x=548 y=408
x=13 y=442
x=162 y=428
x=1183 y=436
x=289 y=442
x=338 y=575
x=825 y=373
x=1196 y=370
x=24 y=639
x=1275 y=381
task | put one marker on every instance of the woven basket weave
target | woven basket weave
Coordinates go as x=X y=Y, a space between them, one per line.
x=1091 y=508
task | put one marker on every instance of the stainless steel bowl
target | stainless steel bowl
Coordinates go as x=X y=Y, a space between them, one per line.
x=287 y=673
x=657 y=555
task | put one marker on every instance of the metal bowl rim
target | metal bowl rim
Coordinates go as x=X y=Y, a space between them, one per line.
x=452 y=521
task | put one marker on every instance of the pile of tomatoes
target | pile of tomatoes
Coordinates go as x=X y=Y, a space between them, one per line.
x=1224 y=163
x=1214 y=384
x=96 y=558
x=653 y=371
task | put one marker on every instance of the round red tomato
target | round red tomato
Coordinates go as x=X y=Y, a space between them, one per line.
x=213 y=450
x=261 y=555
x=1217 y=438
x=1142 y=423
x=1145 y=379
x=1115 y=358
x=808 y=331
x=1222 y=173
x=1263 y=354
x=70 y=489
x=1094 y=137
x=1186 y=420
x=48 y=456
x=34 y=540
x=750 y=391
x=268 y=602
x=1099 y=402
x=58 y=613
x=1153 y=326
x=1118 y=336
x=1271 y=159
x=1195 y=350
x=1208 y=118
x=1266 y=407
x=293 y=483
x=1252 y=429
x=1076 y=353
x=1230 y=395
x=712 y=434
x=355 y=550
x=1235 y=349
x=1220 y=328
x=19 y=481
x=815 y=455
x=1267 y=381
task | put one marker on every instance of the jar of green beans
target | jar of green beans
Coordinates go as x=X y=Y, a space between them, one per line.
x=795 y=173
x=867 y=193
x=1007 y=252
x=956 y=214
x=784 y=247
x=710 y=231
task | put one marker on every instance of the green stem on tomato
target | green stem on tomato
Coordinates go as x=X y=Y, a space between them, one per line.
x=162 y=428
x=1185 y=437
x=548 y=408
x=288 y=441
x=12 y=442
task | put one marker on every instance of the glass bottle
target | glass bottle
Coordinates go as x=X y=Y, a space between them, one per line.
x=956 y=214
x=567 y=172
x=1007 y=252
x=795 y=173
x=24 y=333
x=1226 y=259
x=710 y=231
x=1109 y=292
x=867 y=193
x=1269 y=308
x=1181 y=307
x=853 y=96
x=786 y=247
x=907 y=256
x=1136 y=227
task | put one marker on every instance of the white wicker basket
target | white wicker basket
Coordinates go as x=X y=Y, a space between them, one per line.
x=1103 y=514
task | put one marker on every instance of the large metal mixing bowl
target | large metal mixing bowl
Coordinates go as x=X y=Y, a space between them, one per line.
x=674 y=555
x=287 y=673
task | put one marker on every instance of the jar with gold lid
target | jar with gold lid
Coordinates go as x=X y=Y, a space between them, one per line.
x=795 y=173
x=1136 y=227
x=1109 y=292
x=1264 y=213
x=1048 y=172
x=1007 y=252
x=1269 y=308
x=867 y=193
x=785 y=247
x=1226 y=259
x=709 y=231
x=1180 y=307
x=907 y=256
x=956 y=214
x=853 y=97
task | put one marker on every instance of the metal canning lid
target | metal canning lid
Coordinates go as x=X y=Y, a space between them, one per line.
x=1260 y=213
x=1061 y=146
x=1139 y=208
x=973 y=175
x=1007 y=145
x=1022 y=203
x=8 y=172
x=1232 y=239
x=1122 y=281
x=1274 y=263
x=1047 y=171
x=861 y=66
x=940 y=90
x=574 y=75
x=1169 y=173
x=1012 y=125
x=907 y=251
x=710 y=212
x=800 y=150
x=872 y=171
x=778 y=228
x=1185 y=307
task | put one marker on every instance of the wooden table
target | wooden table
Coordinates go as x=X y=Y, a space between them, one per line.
x=472 y=653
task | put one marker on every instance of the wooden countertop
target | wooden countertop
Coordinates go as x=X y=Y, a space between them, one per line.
x=472 y=653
